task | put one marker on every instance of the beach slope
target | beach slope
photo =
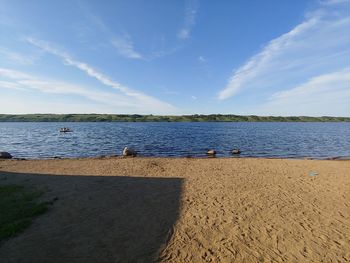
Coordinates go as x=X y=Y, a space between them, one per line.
x=184 y=210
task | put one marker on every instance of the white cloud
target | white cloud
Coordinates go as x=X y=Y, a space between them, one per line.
x=125 y=47
x=190 y=19
x=121 y=39
x=335 y=2
x=325 y=83
x=21 y=105
x=318 y=45
x=16 y=57
x=327 y=94
x=144 y=100
x=122 y=42
x=9 y=85
x=58 y=87
x=260 y=62
x=184 y=33
x=24 y=81
x=13 y=74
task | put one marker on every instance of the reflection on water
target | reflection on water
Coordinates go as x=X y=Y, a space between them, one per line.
x=293 y=140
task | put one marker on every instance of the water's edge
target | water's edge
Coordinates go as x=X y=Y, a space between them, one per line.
x=99 y=157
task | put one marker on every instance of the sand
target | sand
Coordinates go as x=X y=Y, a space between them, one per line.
x=184 y=210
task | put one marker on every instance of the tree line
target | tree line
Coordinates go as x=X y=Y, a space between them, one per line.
x=160 y=118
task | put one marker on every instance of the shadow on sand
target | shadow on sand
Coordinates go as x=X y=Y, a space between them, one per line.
x=96 y=219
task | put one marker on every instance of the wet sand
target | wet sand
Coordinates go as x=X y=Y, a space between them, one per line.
x=184 y=210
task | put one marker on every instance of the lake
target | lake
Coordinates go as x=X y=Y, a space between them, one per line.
x=255 y=139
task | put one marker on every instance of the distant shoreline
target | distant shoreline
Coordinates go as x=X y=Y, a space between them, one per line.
x=162 y=118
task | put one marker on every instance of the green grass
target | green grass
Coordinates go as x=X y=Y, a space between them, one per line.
x=18 y=207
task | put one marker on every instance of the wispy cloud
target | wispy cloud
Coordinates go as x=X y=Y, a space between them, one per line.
x=327 y=94
x=16 y=57
x=162 y=52
x=97 y=101
x=334 y=2
x=21 y=80
x=146 y=101
x=318 y=45
x=121 y=41
x=9 y=85
x=261 y=61
x=191 y=11
x=13 y=74
x=125 y=47
x=339 y=80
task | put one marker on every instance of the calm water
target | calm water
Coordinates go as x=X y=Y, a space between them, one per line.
x=293 y=140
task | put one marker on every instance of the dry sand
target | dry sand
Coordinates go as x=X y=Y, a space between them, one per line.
x=184 y=210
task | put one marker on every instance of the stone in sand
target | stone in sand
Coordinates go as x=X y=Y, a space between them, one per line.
x=5 y=155
x=211 y=152
x=236 y=151
x=129 y=152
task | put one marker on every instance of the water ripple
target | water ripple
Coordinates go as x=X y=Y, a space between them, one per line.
x=286 y=140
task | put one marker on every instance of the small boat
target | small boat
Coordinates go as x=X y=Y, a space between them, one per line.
x=64 y=129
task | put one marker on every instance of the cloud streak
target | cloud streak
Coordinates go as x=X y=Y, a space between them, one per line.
x=190 y=19
x=327 y=94
x=318 y=45
x=146 y=101
x=335 y=2
x=122 y=42
x=23 y=81
x=97 y=101
x=125 y=47
x=16 y=57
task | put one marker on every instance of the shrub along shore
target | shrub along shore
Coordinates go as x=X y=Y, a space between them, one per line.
x=160 y=118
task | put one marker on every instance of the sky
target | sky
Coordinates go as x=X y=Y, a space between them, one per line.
x=164 y=57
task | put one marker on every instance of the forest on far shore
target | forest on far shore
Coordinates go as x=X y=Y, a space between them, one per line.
x=160 y=118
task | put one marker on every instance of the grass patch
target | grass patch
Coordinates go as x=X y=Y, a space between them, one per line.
x=18 y=207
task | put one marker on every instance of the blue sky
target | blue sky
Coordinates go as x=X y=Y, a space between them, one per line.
x=268 y=57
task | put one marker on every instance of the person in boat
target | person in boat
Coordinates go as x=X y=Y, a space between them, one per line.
x=64 y=129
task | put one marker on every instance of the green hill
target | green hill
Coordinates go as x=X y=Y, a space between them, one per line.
x=159 y=118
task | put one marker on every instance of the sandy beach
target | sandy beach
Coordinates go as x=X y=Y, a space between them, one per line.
x=184 y=210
